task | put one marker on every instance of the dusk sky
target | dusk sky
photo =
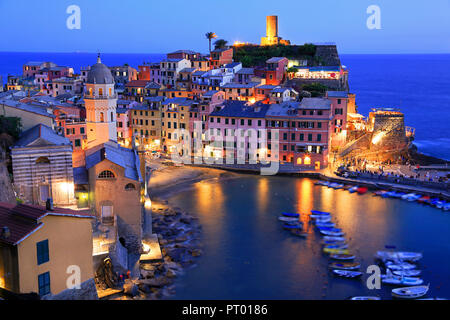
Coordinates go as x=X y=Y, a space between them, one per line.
x=150 y=26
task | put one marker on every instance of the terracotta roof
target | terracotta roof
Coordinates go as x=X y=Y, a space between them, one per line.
x=23 y=219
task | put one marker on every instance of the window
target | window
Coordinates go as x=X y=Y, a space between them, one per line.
x=130 y=187
x=319 y=137
x=44 y=283
x=42 y=252
x=106 y=175
x=77 y=143
x=82 y=130
x=42 y=160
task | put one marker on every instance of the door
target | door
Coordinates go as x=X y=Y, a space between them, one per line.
x=317 y=165
x=107 y=215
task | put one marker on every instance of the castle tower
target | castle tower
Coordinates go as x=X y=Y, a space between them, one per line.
x=271 y=27
x=100 y=102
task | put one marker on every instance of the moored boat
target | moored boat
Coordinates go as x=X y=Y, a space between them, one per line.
x=398 y=265
x=404 y=281
x=407 y=273
x=365 y=298
x=353 y=189
x=362 y=190
x=336 y=246
x=410 y=292
x=342 y=256
x=334 y=238
x=290 y=214
x=344 y=265
x=399 y=255
x=292 y=226
x=331 y=233
x=288 y=219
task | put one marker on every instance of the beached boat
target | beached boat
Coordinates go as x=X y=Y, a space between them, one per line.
x=353 y=189
x=423 y=199
x=290 y=214
x=342 y=256
x=365 y=298
x=398 y=265
x=362 y=190
x=379 y=192
x=288 y=219
x=347 y=273
x=407 y=273
x=410 y=292
x=404 y=281
x=399 y=255
x=299 y=233
x=344 y=265
x=331 y=233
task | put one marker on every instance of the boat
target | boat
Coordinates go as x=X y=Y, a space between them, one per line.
x=347 y=187
x=324 y=224
x=344 y=265
x=347 y=273
x=292 y=226
x=423 y=199
x=362 y=190
x=288 y=219
x=434 y=298
x=342 y=256
x=407 y=273
x=334 y=238
x=299 y=233
x=398 y=265
x=399 y=255
x=316 y=213
x=365 y=298
x=379 y=192
x=446 y=207
x=337 y=246
x=410 y=292
x=321 y=218
x=325 y=242
x=404 y=281
x=331 y=233
x=333 y=229
x=336 y=251
x=353 y=189
x=290 y=214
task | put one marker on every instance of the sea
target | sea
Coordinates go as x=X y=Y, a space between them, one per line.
x=417 y=84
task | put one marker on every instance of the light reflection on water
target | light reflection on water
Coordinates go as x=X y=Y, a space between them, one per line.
x=247 y=255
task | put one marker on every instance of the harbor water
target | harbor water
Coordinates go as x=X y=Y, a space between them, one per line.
x=247 y=254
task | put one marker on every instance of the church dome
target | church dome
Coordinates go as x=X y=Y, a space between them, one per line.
x=100 y=74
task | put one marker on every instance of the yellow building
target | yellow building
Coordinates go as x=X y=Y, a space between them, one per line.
x=43 y=250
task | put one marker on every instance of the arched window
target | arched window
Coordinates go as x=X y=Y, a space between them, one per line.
x=100 y=91
x=42 y=160
x=90 y=91
x=106 y=175
x=130 y=186
x=102 y=117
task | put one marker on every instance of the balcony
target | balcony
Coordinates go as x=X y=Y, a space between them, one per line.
x=100 y=97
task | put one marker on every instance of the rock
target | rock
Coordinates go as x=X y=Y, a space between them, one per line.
x=171 y=274
x=155 y=282
x=185 y=220
x=130 y=288
x=181 y=239
x=196 y=252
x=87 y=291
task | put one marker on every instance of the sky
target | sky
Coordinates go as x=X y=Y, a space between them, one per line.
x=156 y=26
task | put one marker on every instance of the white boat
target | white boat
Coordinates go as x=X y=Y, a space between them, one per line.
x=331 y=233
x=404 y=281
x=342 y=256
x=365 y=298
x=324 y=224
x=321 y=220
x=399 y=255
x=334 y=238
x=408 y=195
x=399 y=265
x=410 y=292
x=407 y=273
x=288 y=219
x=353 y=189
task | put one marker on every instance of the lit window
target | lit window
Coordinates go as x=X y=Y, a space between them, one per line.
x=130 y=186
x=42 y=160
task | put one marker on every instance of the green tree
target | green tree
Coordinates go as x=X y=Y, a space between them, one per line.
x=220 y=44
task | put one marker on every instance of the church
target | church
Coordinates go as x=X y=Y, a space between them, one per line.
x=109 y=178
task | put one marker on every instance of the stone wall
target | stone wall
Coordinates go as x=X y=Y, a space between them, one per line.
x=6 y=189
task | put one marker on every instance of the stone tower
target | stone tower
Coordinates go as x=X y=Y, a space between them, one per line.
x=100 y=102
x=272 y=37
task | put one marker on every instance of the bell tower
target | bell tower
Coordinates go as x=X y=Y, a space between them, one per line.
x=101 y=103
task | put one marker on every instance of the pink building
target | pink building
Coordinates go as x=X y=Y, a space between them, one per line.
x=124 y=132
x=276 y=70
x=339 y=101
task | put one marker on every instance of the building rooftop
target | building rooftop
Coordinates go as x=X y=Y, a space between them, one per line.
x=246 y=71
x=27 y=107
x=99 y=74
x=22 y=219
x=316 y=103
x=275 y=59
x=241 y=109
x=44 y=134
x=337 y=94
x=232 y=85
